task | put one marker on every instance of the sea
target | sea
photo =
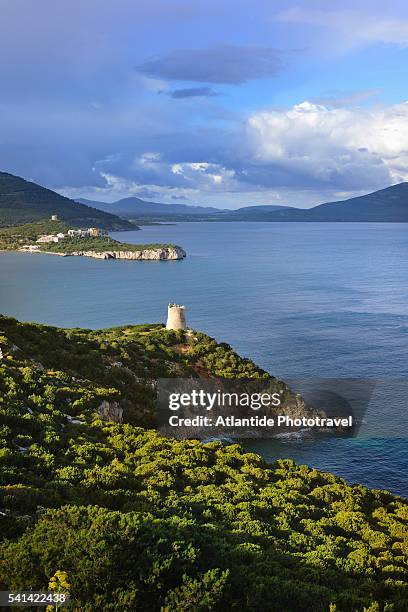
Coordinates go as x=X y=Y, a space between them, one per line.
x=303 y=300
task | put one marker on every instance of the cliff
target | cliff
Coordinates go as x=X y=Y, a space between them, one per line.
x=164 y=253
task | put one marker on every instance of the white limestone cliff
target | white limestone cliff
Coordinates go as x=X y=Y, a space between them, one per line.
x=159 y=254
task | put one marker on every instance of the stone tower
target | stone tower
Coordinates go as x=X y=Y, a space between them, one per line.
x=176 y=317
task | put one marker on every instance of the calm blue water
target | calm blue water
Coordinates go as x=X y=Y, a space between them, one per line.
x=302 y=300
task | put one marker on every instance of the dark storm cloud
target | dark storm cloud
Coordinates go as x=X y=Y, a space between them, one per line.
x=75 y=113
x=229 y=64
x=193 y=92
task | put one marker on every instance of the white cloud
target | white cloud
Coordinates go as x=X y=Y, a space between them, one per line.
x=303 y=155
x=349 y=148
x=117 y=187
x=206 y=176
x=148 y=158
x=177 y=169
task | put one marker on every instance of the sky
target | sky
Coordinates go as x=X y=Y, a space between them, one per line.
x=216 y=103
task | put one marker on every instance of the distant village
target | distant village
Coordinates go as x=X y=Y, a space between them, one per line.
x=90 y=232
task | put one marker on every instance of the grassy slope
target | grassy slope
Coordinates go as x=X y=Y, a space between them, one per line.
x=139 y=522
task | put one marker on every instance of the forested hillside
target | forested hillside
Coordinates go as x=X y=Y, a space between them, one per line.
x=124 y=519
x=23 y=202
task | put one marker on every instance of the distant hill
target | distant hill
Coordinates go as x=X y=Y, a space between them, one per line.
x=253 y=213
x=22 y=202
x=263 y=208
x=386 y=205
x=135 y=207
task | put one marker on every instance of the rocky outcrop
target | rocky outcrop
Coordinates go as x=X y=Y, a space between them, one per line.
x=159 y=254
x=110 y=411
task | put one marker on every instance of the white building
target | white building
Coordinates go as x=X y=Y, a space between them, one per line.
x=48 y=238
x=79 y=233
x=92 y=232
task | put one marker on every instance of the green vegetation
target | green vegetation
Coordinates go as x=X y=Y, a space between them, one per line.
x=13 y=238
x=125 y=519
x=24 y=202
x=102 y=243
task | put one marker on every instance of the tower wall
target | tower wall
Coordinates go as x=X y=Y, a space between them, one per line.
x=176 y=317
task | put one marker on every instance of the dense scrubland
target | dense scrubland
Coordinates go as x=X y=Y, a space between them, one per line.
x=13 y=238
x=100 y=244
x=125 y=519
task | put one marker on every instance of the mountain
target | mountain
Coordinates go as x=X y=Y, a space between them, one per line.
x=386 y=205
x=135 y=207
x=252 y=213
x=22 y=202
x=260 y=208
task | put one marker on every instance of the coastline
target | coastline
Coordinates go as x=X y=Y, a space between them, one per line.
x=174 y=253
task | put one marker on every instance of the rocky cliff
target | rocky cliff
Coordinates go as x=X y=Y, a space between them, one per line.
x=174 y=252
x=110 y=411
x=158 y=254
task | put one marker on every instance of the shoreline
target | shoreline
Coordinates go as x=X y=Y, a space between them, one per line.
x=173 y=253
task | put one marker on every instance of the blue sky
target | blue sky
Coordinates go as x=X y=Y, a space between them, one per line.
x=216 y=103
